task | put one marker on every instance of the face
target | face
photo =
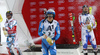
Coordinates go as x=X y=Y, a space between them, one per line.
x=50 y=17
x=8 y=16
x=85 y=9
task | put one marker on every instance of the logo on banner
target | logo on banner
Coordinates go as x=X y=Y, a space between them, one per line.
x=51 y=1
x=32 y=4
x=61 y=15
x=82 y=0
x=41 y=9
x=62 y=28
x=33 y=29
x=80 y=8
x=91 y=1
x=32 y=10
x=61 y=21
x=71 y=8
x=41 y=3
x=32 y=16
x=52 y=8
x=41 y=16
x=60 y=2
x=33 y=22
x=61 y=8
x=70 y=0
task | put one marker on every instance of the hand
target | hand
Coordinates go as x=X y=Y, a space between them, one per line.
x=5 y=33
x=89 y=28
x=45 y=36
x=52 y=43
x=4 y=28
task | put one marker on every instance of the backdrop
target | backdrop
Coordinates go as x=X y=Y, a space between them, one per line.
x=33 y=13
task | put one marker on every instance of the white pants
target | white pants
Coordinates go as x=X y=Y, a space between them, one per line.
x=85 y=35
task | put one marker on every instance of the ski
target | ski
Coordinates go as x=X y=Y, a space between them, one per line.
x=72 y=18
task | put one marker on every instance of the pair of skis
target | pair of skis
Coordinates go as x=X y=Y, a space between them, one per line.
x=72 y=18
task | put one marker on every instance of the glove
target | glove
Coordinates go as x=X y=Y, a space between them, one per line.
x=49 y=40
x=89 y=28
x=5 y=33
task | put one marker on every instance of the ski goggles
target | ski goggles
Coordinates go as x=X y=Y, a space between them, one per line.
x=49 y=15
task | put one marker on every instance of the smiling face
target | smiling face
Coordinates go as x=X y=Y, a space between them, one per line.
x=50 y=17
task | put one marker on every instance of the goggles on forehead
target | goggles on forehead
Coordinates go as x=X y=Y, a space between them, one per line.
x=49 y=15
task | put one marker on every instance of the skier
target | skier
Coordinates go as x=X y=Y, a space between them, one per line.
x=11 y=28
x=87 y=22
x=47 y=28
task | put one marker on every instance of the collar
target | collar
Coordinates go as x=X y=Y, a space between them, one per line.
x=10 y=19
x=85 y=14
x=49 y=22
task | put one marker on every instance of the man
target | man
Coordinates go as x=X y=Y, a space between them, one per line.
x=47 y=29
x=87 y=22
x=11 y=28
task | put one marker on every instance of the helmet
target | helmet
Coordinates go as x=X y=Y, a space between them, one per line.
x=9 y=12
x=51 y=11
x=84 y=6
